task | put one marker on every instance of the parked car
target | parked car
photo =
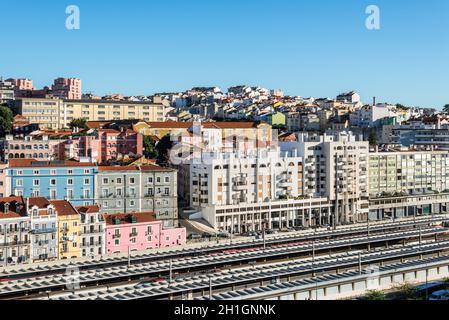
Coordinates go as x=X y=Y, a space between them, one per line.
x=440 y=295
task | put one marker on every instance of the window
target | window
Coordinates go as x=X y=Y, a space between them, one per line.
x=105 y=204
x=132 y=203
x=86 y=171
x=150 y=179
x=69 y=194
x=158 y=179
x=86 y=181
x=167 y=191
x=36 y=182
x=19 y=172
x=69 y=171
x=167 y=179
x=117 y=242
x=132 y=180
x=53 y=194
x=19 y=182
x=105 y=181
x=52 y=182
x=119 y=180
x=70 y=182
x=36 y=172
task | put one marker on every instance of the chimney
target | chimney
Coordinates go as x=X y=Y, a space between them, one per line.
x=374 y=101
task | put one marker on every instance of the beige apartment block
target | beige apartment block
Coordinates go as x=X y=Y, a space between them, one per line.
x=53 y=113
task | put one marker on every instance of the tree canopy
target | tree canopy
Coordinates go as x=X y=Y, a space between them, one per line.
x=6 y=120
x=78 y=123
x=446 y=108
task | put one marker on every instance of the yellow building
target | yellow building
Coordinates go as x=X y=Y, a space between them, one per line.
x=69 y=230
x=55 y=113
x=252 y=131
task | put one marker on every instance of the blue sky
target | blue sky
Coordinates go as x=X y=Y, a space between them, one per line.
x=306 y=47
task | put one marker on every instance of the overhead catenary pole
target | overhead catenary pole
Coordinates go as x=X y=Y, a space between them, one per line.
x=171 y=270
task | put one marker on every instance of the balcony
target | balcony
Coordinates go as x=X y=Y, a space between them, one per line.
x=239 y=187
x=14 y=243
x=116 y=236
x=42 y=231
x=64 y=229
x=133 y=234
x=95 y=231
x=91 y=244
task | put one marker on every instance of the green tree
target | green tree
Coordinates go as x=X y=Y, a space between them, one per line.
x=149 y=148
x=372 y=138
x=407 y=292
x=375 y=295
x=78 y=123
x=446 y=108
x=6 y=120
x=163 y=147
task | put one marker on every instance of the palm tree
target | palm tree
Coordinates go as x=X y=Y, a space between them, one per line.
x=446 y=108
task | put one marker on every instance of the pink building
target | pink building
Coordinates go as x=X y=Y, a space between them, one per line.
x=139 y=231
x=22 y=84
x=67 y=88
x=105 y=145
x=3 y=167
x=43 y=149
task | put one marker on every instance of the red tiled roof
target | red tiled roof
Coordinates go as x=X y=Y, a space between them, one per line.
x=143 y=167
x=88 y=209
x=40 y=202
x=218 y=125
x=141 y=217
x=16 y=207
x=64 y=208
x=118 y=168
x=32 y=163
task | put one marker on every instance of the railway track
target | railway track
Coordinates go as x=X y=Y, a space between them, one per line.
x=159 y=269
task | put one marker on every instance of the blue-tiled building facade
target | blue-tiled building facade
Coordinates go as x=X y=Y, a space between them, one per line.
x=69 y=180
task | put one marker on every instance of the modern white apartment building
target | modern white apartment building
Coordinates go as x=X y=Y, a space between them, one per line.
x=254 y=192
x=54 y=113
x=408 y=183
x=336 y=168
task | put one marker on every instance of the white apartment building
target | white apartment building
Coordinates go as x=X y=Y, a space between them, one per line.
x=408 y=183
x=92 y=229
x=253 y=192
x=336 y=168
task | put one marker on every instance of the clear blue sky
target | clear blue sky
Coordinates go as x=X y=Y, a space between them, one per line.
x=306 y=47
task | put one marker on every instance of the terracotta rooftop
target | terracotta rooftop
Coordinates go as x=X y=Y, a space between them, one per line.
x=125 y=218
x=32 y=163
x=88 y=209
x=64 y=208
x=143 y=167
x=16 y=207
x=40 y=202
x=218 y=125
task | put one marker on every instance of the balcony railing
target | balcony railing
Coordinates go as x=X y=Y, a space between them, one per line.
x=116 y=236
x=14 y=243
x=41 y=231
x=133 y=234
